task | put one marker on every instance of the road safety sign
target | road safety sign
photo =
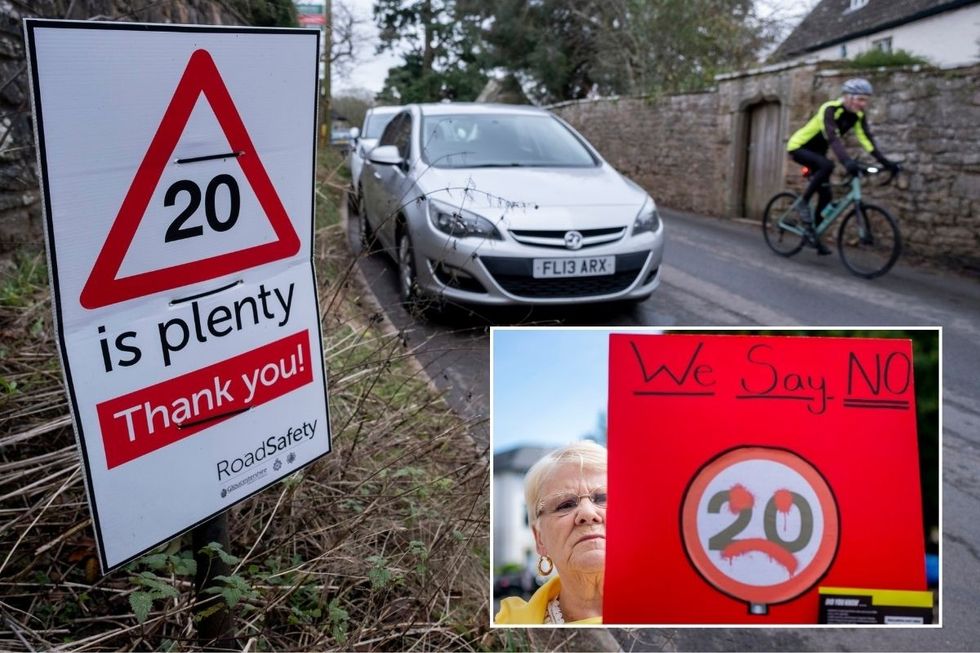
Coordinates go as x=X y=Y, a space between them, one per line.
x=747 y=472
x=201 y=79
x=177 y=167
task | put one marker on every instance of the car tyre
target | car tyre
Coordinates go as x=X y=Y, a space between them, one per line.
x=353 y=207
x=408 y=288
x=412 y=298
x=369 y=241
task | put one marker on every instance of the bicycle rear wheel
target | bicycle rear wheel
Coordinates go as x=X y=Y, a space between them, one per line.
x=781 y=213
x=869 y=245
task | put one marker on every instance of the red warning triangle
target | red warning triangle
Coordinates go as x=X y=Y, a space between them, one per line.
x=102 y=287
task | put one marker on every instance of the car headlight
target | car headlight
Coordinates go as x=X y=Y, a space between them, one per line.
x=648 y=219
x=454 y=221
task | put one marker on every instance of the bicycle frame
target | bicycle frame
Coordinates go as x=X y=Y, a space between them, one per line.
x=868 y=243
x=839 y=207
x=852 y=197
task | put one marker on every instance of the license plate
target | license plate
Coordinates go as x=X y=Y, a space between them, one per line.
x=594 y=266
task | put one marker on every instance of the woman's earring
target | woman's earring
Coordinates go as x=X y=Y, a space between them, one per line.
x=541 y=561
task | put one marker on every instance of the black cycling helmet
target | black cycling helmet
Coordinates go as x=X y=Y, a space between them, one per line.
x=857 y=86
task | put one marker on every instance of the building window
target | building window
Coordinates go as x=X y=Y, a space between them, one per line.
x=843 y=50
x=885 y=44
x=857 y=4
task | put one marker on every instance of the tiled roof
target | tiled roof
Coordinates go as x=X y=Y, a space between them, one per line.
x=518 y=460
x=833 y=21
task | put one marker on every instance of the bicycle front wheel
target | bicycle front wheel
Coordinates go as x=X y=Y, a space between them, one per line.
x=869 y=241
x=778 y=222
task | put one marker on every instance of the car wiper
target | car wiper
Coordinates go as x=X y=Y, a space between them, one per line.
x=497 y=165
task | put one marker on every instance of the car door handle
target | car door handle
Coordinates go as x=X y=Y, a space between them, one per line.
x=377 y=175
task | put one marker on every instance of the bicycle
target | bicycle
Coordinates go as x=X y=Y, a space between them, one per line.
x=868 y=240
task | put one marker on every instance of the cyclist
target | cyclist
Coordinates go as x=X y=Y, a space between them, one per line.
x=808 y=147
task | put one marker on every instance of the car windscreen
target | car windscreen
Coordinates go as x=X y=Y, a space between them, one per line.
x=506 y=140
x=375 y=123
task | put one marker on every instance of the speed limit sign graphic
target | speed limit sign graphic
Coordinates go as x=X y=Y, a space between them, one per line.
x=760 y=524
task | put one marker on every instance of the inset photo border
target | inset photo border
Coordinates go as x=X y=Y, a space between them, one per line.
x=716 y=477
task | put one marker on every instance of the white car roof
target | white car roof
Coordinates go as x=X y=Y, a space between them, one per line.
x=443 y=108
x=381 y=111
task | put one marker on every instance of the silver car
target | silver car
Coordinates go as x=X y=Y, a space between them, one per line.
x=365 y=138
x=500 y=204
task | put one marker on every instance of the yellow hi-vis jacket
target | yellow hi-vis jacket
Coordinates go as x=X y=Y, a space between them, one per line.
x=827 y=126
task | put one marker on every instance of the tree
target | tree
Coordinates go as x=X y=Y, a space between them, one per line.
x=660 y=45
x=779 y=18
x=267 y=13
x=347 y=35
x=442 y=40
x=411 y=83
x=568 y=49
x=549 y=45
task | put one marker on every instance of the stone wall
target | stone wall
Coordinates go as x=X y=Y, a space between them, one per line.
x=689 y=151
x=20 y=204
x=675 y=146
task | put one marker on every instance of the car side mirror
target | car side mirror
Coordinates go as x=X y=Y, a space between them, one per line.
x=386 y=155
x=354 y=133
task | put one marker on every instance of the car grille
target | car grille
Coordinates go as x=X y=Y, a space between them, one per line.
x=556 y=238
x=515 y=276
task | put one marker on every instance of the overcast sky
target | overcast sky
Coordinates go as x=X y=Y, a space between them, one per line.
x=549 y=384
x=371 y=69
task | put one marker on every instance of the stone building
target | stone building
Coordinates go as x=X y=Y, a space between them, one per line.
x=946 y=32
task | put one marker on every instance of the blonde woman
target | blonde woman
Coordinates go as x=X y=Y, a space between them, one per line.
x=566 y=503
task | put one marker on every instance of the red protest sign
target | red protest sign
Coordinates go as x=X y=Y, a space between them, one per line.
x=746 y=472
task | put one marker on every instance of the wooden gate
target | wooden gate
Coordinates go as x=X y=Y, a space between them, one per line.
x=764 y=158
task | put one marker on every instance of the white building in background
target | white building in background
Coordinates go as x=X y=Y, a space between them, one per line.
x=946 y=32
x=513 y=542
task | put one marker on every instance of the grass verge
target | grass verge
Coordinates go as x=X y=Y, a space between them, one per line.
x=383 y=544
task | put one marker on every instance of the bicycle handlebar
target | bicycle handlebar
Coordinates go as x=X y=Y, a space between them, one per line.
x=869 y=171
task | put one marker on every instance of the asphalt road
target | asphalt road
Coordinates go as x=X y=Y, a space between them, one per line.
x=720 y=273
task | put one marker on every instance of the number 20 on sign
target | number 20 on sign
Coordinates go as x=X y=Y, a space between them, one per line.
x=760 y=524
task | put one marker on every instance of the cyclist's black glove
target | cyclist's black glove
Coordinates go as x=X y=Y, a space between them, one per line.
x=853 y=167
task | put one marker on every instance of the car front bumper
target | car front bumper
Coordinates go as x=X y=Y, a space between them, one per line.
x=491 y=272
